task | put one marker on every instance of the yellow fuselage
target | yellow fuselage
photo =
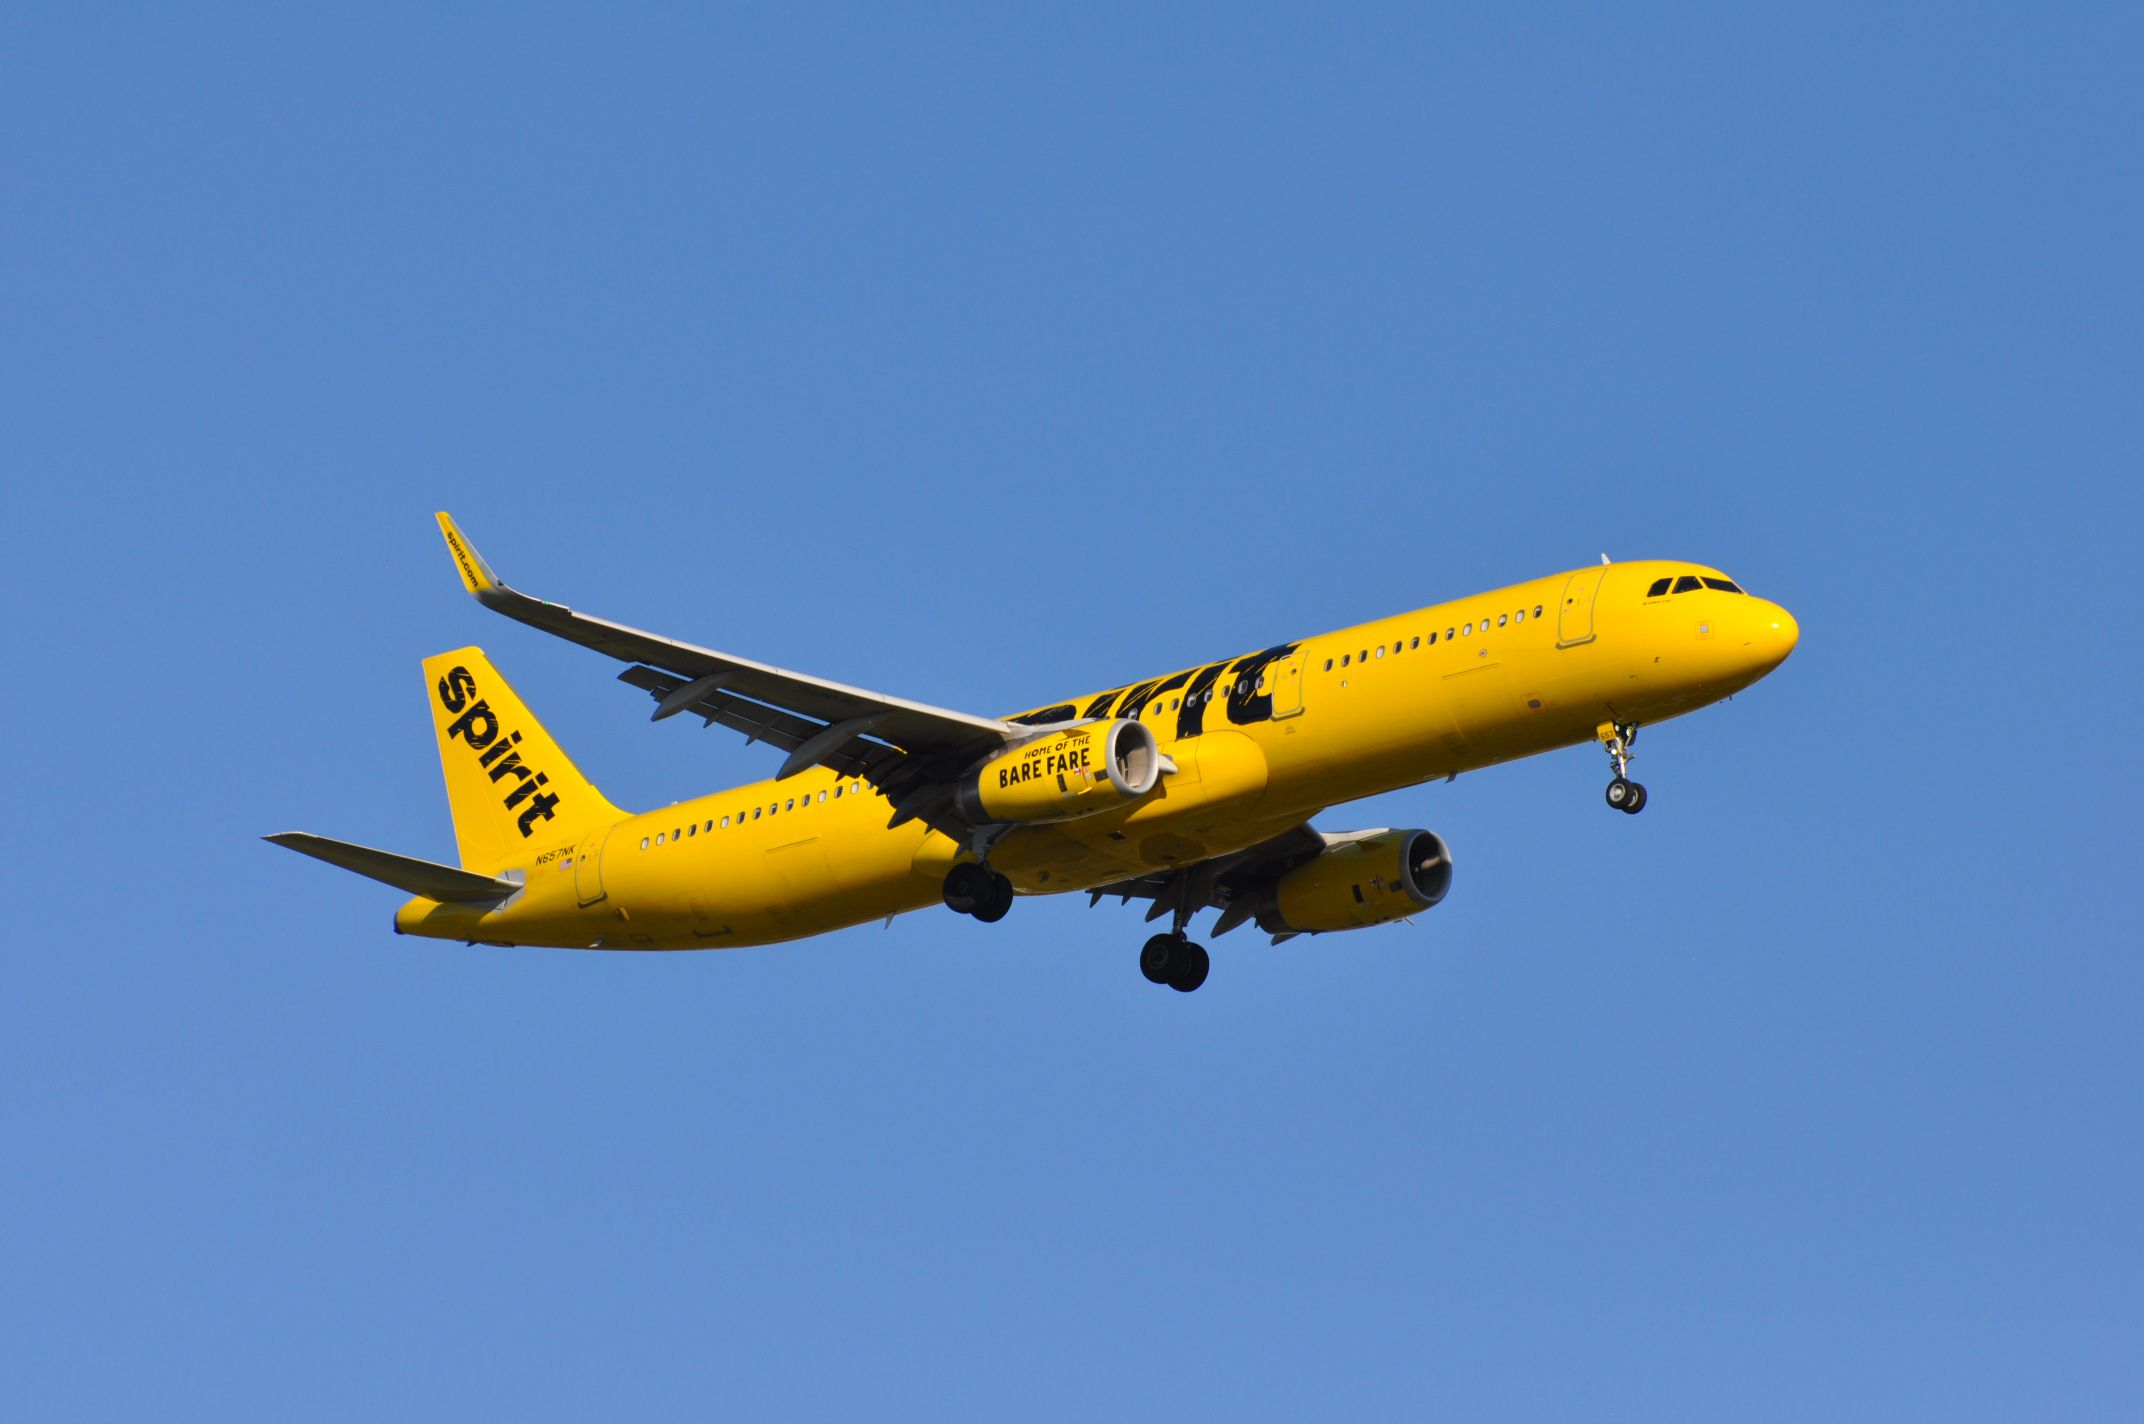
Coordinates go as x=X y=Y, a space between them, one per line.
x=1332 y=718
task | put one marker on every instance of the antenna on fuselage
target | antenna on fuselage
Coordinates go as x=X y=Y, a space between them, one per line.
x=1604 y=558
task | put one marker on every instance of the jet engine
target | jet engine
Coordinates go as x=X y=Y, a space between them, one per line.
x=1372 y=879
x=1076 y=772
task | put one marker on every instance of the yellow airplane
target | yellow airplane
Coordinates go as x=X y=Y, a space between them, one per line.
x=1192 y=790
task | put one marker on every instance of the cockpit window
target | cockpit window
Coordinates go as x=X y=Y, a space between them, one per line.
x=1659 y=587
x=1687 y=583
x=1723 y=585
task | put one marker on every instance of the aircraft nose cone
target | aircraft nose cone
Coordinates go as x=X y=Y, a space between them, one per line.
x=1778 y=633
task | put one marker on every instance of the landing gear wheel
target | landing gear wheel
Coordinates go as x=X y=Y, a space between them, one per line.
x=1188 y=966
x=1156 y=957
x=996 y=903
x=1637 y=800
x=1622 y=792
x=966 y=887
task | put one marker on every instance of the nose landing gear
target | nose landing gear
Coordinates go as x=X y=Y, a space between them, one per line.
x=1624 y=794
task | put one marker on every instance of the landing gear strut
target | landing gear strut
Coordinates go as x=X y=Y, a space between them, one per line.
x=977 y=890
x=1624 y=794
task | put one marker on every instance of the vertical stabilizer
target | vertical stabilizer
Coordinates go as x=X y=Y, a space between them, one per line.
x=509 y=785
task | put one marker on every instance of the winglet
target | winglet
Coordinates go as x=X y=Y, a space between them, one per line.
x=477 y=576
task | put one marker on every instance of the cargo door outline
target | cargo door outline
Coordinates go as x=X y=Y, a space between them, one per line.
x=803 y=880
x=1479 y=701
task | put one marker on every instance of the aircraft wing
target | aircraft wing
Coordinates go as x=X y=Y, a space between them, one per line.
x=909 y=750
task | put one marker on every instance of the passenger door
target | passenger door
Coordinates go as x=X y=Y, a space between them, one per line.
x=588 y=866
x=1287 y=686
x=1574 y=618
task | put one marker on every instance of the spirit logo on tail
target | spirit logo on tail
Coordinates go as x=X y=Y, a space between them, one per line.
x=477 y=727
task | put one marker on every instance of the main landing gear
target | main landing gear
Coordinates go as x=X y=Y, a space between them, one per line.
x=1172 y=958
x=1175 y=961
x=977 y=890
x=1624 y=794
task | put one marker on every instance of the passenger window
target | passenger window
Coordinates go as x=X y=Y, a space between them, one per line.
x=1723 y=585
x=725 y=823
x=643 y=842
x=674 y=836
x=1500 y=619
x=1380 y=649
x=790 y=804
x=1660 y=586
x=1346 y=658
x=658 y=837
x=1519 y=617
x=755 y=813
x=837 y=792
x=1363 y=656
x=1466 y=630
x=822 y=797
x=1328 y=664
x=1537 y=610
x=1687 y=583
x=693 y=829
x=1433 y=637
x=1418 y=640
x=1450 y=633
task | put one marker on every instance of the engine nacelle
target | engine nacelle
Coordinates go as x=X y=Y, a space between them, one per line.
x=1062 y=775
x=1372 y=880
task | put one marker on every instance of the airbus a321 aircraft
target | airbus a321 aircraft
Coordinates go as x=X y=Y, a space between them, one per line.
x=1192 y=790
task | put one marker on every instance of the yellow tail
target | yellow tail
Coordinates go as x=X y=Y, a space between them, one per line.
x=510 y=787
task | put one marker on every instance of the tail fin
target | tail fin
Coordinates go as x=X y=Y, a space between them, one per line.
x=508 y=783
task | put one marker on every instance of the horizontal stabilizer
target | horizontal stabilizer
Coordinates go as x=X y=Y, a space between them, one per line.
x=443 y=883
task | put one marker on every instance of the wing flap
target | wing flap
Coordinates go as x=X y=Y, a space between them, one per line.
x=911 y=790
x=759 y=722
x=1218 y=883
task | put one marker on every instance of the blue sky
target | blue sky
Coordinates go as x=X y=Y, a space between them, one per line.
x=988 y=357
